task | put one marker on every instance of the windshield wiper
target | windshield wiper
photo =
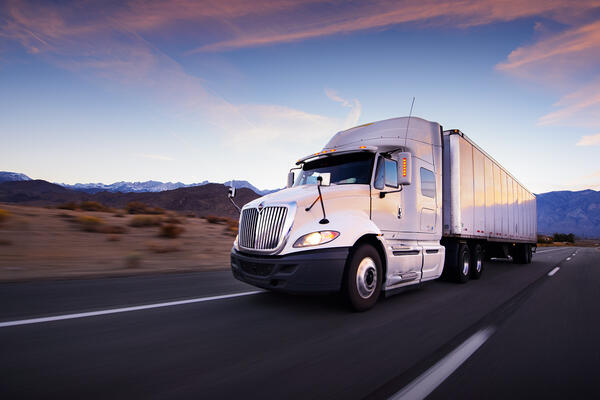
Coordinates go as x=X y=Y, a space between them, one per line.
x=324 y=220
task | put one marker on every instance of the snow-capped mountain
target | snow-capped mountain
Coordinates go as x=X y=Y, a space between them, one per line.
x=152 y=186
x=6 y=176
x=129 y=187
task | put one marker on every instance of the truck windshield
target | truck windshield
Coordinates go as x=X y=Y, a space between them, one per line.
x=354 y=168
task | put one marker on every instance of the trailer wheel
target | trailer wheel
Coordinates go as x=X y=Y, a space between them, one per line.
x=477 y=257
x=529 y=254
x=463 y=267
x=363 y=278
x=520 y=254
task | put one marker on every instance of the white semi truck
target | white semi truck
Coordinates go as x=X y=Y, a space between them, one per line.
x=383 y=206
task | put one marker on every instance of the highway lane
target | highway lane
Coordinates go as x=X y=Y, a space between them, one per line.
x=258 y=346
x=548 y=348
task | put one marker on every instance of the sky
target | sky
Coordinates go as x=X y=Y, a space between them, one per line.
x=135 y=90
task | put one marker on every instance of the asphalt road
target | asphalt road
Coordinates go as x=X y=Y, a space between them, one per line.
x=516 y=333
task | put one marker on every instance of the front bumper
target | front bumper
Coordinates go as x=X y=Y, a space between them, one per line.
x=311 y=271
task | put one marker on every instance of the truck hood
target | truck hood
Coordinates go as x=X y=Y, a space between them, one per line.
x=304 y=195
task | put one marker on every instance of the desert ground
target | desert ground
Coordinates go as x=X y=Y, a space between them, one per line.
x=42 y=243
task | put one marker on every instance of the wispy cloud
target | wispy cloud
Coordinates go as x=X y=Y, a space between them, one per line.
x=591 y=140
x=110 y=41
x=157 y=157
x=567 y=61
x=354 y=105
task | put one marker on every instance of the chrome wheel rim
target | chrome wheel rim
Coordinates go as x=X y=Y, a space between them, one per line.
x=465 y=269
x=366 y=277
x=479 y=264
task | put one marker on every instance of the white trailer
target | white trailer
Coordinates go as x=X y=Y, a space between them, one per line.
x=383 y=206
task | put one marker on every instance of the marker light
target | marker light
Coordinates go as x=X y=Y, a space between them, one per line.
x=362 y=147
x=404 y=167
x=316 y=238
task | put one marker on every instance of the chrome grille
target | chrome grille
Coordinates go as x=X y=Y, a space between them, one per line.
x=261 y=230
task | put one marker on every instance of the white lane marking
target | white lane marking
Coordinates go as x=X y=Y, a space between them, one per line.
x=426 y=383
x=123 y=309
x=555 y=270
x=549 y=250
x=546 y=251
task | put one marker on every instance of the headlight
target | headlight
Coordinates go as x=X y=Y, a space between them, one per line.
x=315 y=238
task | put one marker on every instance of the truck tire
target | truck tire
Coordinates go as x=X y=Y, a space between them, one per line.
x=463 y=265
x=520 y=254
x=477 y=257
x=529 y=254
x=364 y=275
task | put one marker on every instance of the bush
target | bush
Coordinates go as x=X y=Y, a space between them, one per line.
x=141 y=221
x=137 y=207
x=90 y=224
x=212 y=219
x=71 y=205
x=4 y=215
x=93 y=206
x=543 y=239
x=561 y=237
x=232 y=227
x=171 y=231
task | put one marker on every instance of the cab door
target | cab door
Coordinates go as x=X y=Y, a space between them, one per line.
x=386 y=196
x=388 y=213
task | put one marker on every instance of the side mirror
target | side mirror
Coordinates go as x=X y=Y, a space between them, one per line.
x=231 y=193
x=404 y=168
x=290 y=179
x=324 y=179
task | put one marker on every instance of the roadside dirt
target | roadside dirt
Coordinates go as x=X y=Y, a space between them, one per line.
x=42 y=243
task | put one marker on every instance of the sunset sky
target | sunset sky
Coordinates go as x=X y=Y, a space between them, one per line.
x=97 y=91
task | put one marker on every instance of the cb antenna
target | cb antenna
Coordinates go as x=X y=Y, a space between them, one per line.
x=409 y=115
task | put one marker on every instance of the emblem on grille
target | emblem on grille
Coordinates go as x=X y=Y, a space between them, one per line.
x=260 y=207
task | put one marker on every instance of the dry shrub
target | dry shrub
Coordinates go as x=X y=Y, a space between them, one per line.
x=4 y=215
x=137 y=207
x=90 y=224
x=71 y=205
x=170 y=231
x=232 y=227
x=190 y=215
x=213 y=219
x=163 y=248
x=119 y=214
x=141 y=221
x=93 y=206
x=133 y=260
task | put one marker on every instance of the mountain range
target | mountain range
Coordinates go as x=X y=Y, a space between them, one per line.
x=558 y=212
x=132 y=187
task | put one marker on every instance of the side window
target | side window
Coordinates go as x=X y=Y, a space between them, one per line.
x=427 y=183
x=379 y=175
x=391 y=173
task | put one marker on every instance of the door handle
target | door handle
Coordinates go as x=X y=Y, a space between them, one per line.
x=399 y=212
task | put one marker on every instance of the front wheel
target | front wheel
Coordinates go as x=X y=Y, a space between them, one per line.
x=362 y=284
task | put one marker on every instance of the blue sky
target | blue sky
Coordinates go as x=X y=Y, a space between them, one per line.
x=193 y=91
